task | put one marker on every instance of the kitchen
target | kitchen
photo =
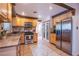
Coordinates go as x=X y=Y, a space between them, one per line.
x=18 y=30
x=10 y=35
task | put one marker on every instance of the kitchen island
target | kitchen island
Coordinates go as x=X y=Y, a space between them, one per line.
x=13 y=45
x=9 y=45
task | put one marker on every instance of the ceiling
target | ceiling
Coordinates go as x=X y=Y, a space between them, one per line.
x=42 y=10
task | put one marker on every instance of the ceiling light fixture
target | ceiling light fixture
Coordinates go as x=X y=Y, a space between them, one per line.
x=35 y=12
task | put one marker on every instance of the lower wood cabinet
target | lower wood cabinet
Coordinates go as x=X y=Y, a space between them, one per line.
x=53 y=38
x=35 y=37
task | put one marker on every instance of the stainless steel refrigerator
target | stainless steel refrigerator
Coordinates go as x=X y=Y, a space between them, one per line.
x=64 y=36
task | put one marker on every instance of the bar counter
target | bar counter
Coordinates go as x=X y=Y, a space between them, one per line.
x=9 y=41
x=9 y=45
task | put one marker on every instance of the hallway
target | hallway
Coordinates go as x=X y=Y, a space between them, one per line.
x=42 y=48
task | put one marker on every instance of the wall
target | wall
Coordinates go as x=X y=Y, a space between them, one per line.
x=19 y=21
x=75 y=41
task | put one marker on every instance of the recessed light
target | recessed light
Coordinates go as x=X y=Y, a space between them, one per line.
x=4 y=11
x=23 y=13
x=39 y=16
x=50 y=7
x=35 y=12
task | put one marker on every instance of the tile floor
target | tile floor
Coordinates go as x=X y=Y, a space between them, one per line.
x=42 y=48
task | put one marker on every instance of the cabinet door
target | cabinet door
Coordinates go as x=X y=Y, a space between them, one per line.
x=22 y=38
x=35 y=38
x=53 y=38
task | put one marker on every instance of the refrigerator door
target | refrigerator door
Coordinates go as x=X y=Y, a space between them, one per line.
x=67 y=36
x=58 y=35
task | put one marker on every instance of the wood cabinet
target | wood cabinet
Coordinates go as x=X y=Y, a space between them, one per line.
x=6 y=11
x=35 y=38
x=53 y=38
x=22 y=38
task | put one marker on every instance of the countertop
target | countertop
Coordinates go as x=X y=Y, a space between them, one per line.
x=12 y=40
x=1 y=30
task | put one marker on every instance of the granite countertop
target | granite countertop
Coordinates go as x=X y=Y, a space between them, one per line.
x=1 y=30
x=10 y=41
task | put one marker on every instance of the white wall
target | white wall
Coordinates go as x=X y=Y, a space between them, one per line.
x=75 y=40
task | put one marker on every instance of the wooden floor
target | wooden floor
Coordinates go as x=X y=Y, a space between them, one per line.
x=42 y=48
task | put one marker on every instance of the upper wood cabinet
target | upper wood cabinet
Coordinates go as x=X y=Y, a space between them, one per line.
x=9 y=12
x=19 y=21
x=62 y=17
x=6 y=11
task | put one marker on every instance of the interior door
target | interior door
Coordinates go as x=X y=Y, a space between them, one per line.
x=67 y=36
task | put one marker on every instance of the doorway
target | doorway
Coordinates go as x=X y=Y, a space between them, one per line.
x=46 y=30
x=39 y=30
x=47 y=27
